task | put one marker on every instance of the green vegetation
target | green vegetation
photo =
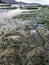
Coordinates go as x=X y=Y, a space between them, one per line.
x=24 y=16
x=32 y=7
x=43 y=60
x=41 y=16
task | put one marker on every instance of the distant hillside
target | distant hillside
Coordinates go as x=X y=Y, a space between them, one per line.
x=1 y=1
x=8 y=1
x=21 y=3
x=16 y=2
x=35 y=3
x=12 y=1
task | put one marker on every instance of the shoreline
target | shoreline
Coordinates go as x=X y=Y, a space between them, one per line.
x=5 y=4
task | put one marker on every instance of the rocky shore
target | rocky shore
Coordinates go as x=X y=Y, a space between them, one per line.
x=24 y=40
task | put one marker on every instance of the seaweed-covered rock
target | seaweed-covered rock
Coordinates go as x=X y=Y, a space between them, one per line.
x=13 y=52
